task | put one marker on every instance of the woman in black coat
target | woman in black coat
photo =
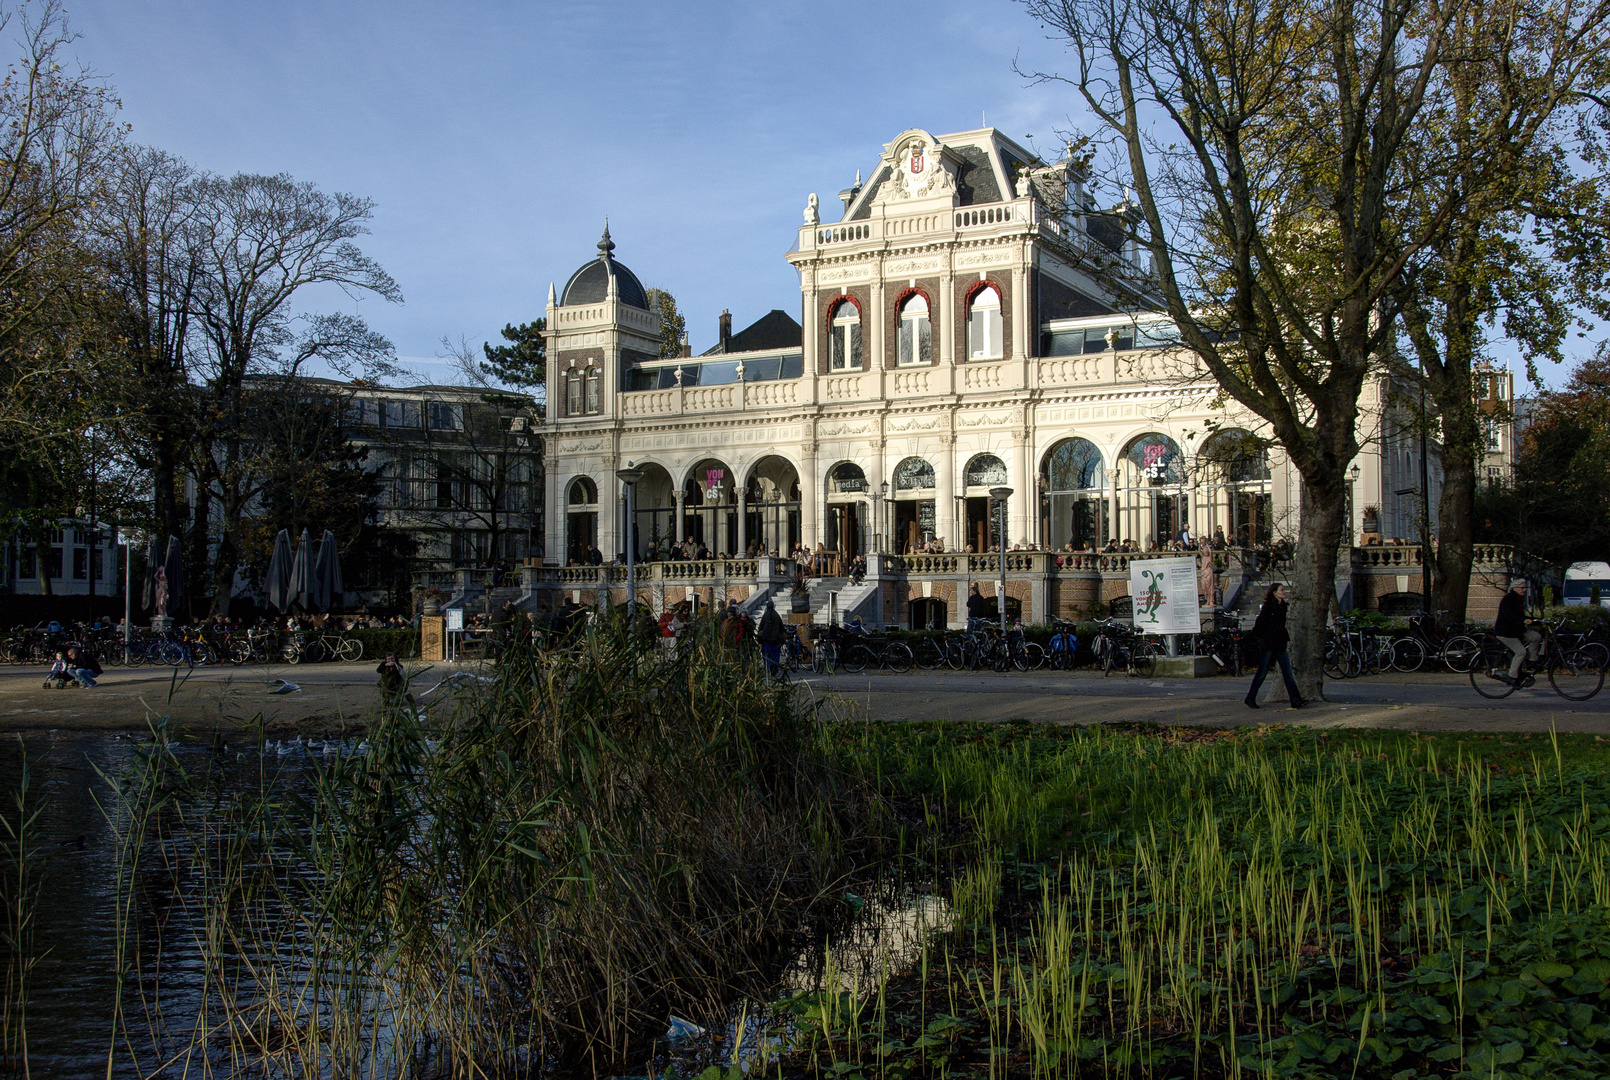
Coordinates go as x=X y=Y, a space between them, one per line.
x=1270 y=634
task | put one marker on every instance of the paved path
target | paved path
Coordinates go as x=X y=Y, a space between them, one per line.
x=344 y=694
x=1418 y=702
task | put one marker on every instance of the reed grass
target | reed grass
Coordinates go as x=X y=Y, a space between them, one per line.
x=609 y=834
x=1261 y=905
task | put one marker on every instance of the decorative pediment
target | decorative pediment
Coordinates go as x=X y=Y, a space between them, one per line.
x=920 y=168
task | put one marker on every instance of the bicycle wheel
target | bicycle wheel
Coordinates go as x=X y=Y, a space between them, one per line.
x=928 y=655
x=240 y=651
x=1577 y=675
x=1034 y=654
x=350 y=650
x=1490 y=673
x=1461 y=653
x=897 y=657
x=1596 y=653
x=1145 y=663
x=855 y=658
x=291 y=653
x=170 y=653
x=1111 y=657
x=823 y=656
x=955 y=653
x=1408 y=654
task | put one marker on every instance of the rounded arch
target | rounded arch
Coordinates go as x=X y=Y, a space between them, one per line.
x=655 y=488
x=985 y=470
x=837 y=305
x=709 y=482
x=846 y=478
x=1154 y=458
x=1235 y=456
x=1072 y=464
x=905 y=295
x=581 y=492
x=979 y=286
x=771 y=478
x=914 y=478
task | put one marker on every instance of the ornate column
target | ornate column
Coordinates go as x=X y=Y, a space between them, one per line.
x=810 y=497
x=1025 y=506
x=945 y=492
x=553 y=542
x=678 y=525
x=1115 y=512
x=743 y=525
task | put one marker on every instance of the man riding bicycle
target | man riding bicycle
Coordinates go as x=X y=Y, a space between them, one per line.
x=1511 y=628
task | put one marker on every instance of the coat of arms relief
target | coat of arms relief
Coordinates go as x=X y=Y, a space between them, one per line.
x=917 y=169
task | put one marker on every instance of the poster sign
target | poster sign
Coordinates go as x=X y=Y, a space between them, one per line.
x=455 y=618
x=1165 y=598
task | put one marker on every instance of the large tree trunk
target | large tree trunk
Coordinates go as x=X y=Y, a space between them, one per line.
x=1322 y=519
x=1455 y=528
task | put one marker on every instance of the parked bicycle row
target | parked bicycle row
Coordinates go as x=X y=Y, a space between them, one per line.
x=185 y=647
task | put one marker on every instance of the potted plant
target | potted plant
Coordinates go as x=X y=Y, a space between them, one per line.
x=430 y=601
x=800 y=592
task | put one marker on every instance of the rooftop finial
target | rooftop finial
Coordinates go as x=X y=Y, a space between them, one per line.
x=606 y=245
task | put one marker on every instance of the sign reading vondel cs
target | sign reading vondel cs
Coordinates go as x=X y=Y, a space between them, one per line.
x=1165 y=597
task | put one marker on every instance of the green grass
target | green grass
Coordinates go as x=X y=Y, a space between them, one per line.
x=1167 y=902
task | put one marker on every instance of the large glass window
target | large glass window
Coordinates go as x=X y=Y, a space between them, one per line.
x=573 y=393
x=844 y=339
x=1235 y=465
x=984 y=325
x=593 y=398
x=1075 y=506
x=915 y=331
x=986 y=470
x=445 y=416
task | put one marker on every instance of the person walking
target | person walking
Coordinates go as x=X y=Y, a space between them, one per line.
x=772 y=636
x=1510 y=628
x=1270 y=634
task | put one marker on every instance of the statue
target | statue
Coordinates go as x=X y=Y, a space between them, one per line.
x=812 y=217
x=1024 y=186
x=161 y=593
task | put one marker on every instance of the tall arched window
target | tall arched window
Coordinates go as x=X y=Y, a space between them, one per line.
x=1152 y=498
x=1075 y=507
x=984 y=325
x=844 y=337
x=1238 y=492
x=915 y=331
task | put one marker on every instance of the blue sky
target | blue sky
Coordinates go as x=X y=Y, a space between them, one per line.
x=495 y=137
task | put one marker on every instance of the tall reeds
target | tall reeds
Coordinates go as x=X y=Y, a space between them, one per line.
x=607 y=834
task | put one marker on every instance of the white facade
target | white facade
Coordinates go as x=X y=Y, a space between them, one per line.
x=949 y=343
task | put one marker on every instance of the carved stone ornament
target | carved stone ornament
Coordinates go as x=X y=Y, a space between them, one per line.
x=917 y=169
x=812 y=214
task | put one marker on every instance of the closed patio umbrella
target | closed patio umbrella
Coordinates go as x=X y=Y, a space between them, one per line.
x=278 y=583
x=327 y=573
x=148 y=580
x=301 y=585
x=173 y=565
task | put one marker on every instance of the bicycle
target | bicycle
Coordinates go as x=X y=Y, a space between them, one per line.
x=1118 y=645
x=1574 y=675
x=1425 y=642
x=858 y=651
x=1063 y=648
x=318 y=645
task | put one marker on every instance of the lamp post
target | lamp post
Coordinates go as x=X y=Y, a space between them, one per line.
x=1000 y=495
x=630 y=476
x=1352 y=501
x=882 y=514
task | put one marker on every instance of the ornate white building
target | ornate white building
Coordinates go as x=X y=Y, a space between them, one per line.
x=959 y=332
x=952 y=340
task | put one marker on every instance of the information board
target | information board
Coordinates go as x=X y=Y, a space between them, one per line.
x=1165 y=597
x=455 y=618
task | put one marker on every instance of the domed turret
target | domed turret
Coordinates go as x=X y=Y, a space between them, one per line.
x=590 y=284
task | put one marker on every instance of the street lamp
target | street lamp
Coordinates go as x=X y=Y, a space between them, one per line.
x=882 y=514
x=1352 y=503
x=1000 y=495
x=630 y=476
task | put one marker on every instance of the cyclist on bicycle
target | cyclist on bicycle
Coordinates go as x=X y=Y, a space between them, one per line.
x=1511 y=628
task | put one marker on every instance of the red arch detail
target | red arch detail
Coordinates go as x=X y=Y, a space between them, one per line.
x=833 y=308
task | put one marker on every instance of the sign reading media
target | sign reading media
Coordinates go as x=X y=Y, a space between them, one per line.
x=1165 y=598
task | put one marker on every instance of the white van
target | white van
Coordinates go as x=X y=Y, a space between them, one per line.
x=1580 y=580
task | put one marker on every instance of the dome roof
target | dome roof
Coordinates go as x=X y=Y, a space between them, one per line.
x=590 y=284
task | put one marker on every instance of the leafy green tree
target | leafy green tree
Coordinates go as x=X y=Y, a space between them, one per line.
x=522 y=363
x=1557 y=510
x=672 y=323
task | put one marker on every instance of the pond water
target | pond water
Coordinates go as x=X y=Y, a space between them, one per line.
x=71 y=1019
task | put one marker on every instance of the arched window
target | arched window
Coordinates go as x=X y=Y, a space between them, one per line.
x=846 y=479
x=582 y=492
x=915 y=331
x=844 y=337
x=1073 y=465
x=1238 y=494
x=593 y=398
x=913 y=474
x=1158 y=459
x=986 y=470
x=984 y=325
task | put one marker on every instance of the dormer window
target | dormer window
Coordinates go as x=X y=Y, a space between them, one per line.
x=844 y=337
x=984 y=325
x=916 y=332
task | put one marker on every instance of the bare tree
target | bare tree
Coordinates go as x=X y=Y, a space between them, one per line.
x=1265 y=144
x=256 y=242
